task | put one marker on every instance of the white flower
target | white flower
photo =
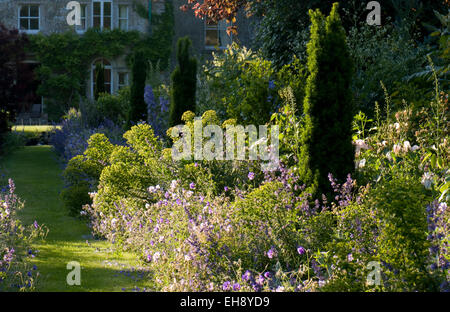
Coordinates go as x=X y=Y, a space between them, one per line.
x=187 y=258
x=279 y=289
x=415 y=148
x=362 y=163
x=173 y=185
x=156 y=255
x=397 y=126
x=388 y=156
x=406 y=146
x=442 y=207
x=113 y=222
x=397 y=149
x=427 y=180
x=360 y=145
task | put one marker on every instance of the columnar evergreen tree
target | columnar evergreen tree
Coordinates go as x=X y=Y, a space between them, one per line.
x=138 y=109
x=99 y=80
x=184 y=81
x=327 y=138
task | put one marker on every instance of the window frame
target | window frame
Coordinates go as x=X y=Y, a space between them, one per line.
x=126 y=82
x=29 y=17
x=127 y=19
x=217 y=28
x=92 y=73
x=102 y=15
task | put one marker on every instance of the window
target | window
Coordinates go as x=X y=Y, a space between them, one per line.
x=123 y=80
x=123 y=17
x=107 y=72
x=29 y=18
x=216 y=34
x=83 y=26
x=102 y=14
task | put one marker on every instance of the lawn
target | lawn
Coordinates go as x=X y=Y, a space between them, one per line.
x=36 y=173
x=45 y=128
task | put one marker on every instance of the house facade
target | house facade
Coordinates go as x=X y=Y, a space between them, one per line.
x=50 y=16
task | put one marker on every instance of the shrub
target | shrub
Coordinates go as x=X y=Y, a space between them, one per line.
x=327 y=138
x=82 y=173
x=184 y=79
x=242 y=85
x=71 y=139
x=115 y=107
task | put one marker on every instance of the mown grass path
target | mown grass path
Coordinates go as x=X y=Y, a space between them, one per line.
x=37 y=176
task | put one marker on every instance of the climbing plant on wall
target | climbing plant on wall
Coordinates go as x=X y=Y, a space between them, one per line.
x=65 y=58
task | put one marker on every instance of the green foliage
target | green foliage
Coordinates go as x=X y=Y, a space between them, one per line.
x=269 y=205
x=242 y=85
x=115 y=107
x=327 y=140
x=291 y=128
x=253 y=101
x=387 y=54
x=138 y=107
x=11 y=141
x=66 y=58
x=402 y=243
x=184 y=80
x=129 y=170
x=83 y=173
x=75 y=197
x=157 y=45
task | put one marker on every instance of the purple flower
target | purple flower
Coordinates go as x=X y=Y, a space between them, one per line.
x=236 y=287
x=260 y=280
x=192 y=186
x=267 y=275
x=35 y=224
x=271 y=84
x=251 y=175
x=272 y=253
x=301 y=250
x=247 y=275
x=256 y=287
x=226 y=286
x=149 y=97
x=225 y=188
x=350 y=257
x=164 y=103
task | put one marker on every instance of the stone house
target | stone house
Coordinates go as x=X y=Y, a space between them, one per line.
x=50 y=16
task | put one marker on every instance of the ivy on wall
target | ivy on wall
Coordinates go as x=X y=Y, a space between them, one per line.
x=65 y=58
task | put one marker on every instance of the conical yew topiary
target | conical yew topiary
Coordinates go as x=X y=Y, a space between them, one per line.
x=328 y=107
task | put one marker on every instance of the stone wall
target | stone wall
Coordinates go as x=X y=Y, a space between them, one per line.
x=53 y=14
